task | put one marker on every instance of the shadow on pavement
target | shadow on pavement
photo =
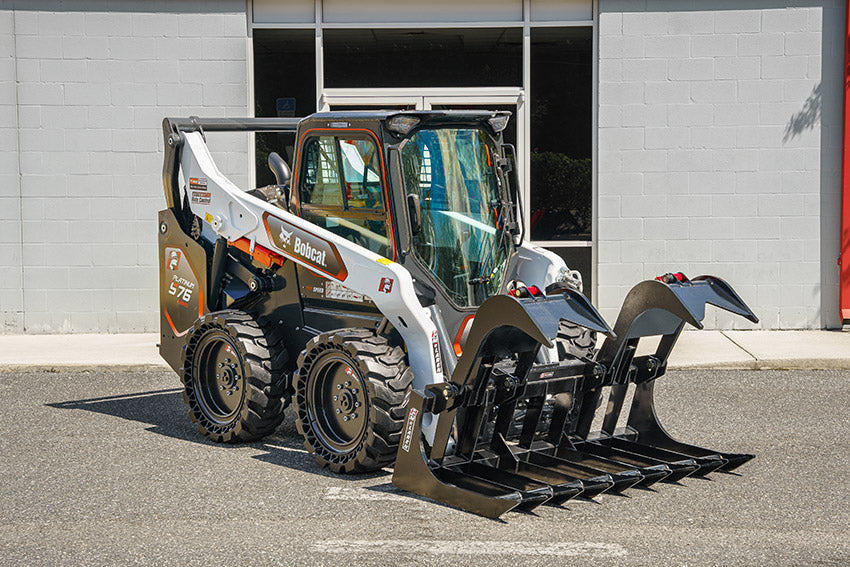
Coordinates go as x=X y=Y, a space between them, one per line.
x=165 y=411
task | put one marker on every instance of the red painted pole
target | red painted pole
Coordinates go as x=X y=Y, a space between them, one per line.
x=844 y=259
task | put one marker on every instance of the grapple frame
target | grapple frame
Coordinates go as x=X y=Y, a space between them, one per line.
x=484 y=462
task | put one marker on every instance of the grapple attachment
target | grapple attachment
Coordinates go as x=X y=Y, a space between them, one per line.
x=513 y=433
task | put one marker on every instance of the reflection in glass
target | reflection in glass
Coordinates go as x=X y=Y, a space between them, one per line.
x=451 y=171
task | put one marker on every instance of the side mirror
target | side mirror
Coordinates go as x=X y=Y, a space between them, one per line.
x=414 y=213
x=281 y=171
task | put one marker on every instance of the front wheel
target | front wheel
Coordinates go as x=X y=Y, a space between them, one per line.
x=351 y=387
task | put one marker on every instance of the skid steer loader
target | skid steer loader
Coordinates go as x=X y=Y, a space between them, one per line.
x=383 y=286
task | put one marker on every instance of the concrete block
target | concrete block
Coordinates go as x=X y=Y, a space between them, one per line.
x=644 y=160
x=621 y=229
x=223 y=48
x=690 y=23
x=737 y=22
x=44 y=185
x=621 y=93
x=85 y=48
x=693 y=69
x=737 y=68
x=644 y=23
x=799 y=228
x=784 y=67
x=761 y=44
x=742 y=251
x=714 y=91
x=610 y=116
x=713 y=137
x=133 y=94
x=757 y=228
x=215 y=72
x=610 y=71
x=680 y=252
x=783 y=20
x=689 y=160
x=711 y=228
x=667 y=91
x=182 y=48
x=759 y=136
x=666 y=183
x=155 y=24
x=131 y=48
x=645 y=206
x=736 y=160
x=690 y=115
x=657 y=229
x=46 y=277
x=666 y=46
x=780 y=205
x=644 y=70
x=804 y=43
x=38 y=47
x=86 y=94
x=41 y=94
x=734 y=205
x=715 y=45
x=621 y=272
x=689 y=206
x=181 y=94
x=200 y=25
x=667 y=138
x=614 y=183
x=105 y=24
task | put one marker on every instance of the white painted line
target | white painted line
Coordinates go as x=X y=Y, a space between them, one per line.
x=387 y=493
x=467 y=547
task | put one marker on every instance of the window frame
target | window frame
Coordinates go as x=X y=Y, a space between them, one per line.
x=358 y=213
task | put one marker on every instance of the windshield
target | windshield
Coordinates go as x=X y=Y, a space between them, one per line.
x=451 y=170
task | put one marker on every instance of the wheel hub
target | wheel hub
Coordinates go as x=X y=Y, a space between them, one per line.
x=337 y=398
x=218 y=376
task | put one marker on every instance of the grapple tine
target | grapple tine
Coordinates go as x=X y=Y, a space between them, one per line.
x=413 y=472
x=521 y=427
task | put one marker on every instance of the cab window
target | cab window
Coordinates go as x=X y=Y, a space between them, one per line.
x=340 y=190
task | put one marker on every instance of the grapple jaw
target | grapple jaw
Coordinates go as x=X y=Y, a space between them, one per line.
x=513 y=433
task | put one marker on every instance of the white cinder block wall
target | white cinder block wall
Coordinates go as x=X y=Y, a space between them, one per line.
x=84 y=86
x=719 y=151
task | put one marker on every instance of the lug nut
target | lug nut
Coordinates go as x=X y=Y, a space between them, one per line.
x=336 y=398
x=345 y=418
x=339 y=386
x=347 y=383
x=338 y=410
x=357 y=404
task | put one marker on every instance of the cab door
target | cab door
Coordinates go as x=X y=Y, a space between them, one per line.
x=341 y=188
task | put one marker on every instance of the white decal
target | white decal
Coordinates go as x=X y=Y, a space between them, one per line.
x=408 y=429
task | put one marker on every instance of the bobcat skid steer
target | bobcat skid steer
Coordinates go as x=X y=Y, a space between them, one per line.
x=382 y=286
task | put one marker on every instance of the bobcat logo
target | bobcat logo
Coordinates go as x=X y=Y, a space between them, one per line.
x=285 y=236
x=173 y=259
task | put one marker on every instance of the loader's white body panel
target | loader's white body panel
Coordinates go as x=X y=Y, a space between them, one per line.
x=234 y=214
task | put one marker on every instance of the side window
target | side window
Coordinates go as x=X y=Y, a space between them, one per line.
x=360 y=165
x=354 y=208
x=320 y=185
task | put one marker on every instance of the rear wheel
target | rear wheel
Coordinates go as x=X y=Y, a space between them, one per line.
x=575 y=341
x=350 y=391
x=233 y=377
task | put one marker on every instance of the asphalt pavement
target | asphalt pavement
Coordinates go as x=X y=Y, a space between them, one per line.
x=104 y=468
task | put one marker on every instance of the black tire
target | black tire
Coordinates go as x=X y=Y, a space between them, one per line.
x=575 y=341
x=234 y=378
x=350 y=391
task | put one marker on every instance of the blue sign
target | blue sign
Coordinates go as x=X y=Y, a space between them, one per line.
x=285 y=107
